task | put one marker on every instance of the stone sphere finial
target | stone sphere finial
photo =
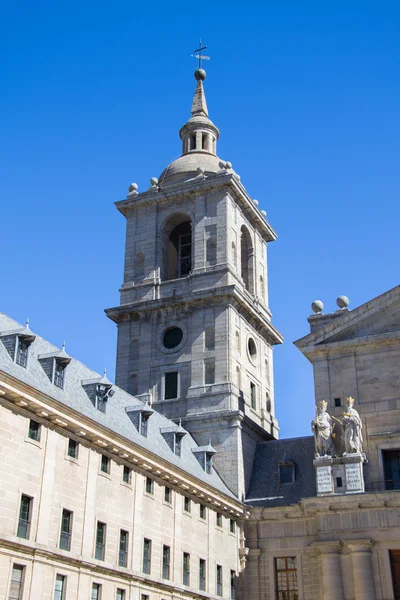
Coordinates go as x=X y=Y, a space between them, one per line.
x=200 y=170
x=342 y=302
x=255 y=202
x=228 y=165
x=200 y=74
x=264 y=213
x=154 y=181
x=133 y=189
x=317 y=306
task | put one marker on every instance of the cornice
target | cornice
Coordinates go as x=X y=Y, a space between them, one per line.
x=52 y=412
x=152 y=308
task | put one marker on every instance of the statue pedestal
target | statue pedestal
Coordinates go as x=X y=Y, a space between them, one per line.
x=353 y=464
x=323 y=474
x=342 y=475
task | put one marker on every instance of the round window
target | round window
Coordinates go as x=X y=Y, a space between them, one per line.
x=251 y=345
x=172 y=337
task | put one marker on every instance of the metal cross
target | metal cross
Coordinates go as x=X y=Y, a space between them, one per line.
x=198 y=54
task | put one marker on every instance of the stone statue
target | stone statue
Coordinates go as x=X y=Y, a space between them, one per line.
x=352 y=429
x=321 y=427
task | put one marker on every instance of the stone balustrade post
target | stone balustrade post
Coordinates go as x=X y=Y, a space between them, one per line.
x=332 y=583
x=363 y=575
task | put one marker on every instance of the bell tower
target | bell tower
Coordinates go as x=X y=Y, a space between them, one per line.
x=195 y=335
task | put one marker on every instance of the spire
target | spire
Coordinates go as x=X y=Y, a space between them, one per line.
x=199 y=134
x=199 y=105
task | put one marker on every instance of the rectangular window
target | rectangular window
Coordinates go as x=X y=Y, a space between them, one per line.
x=147 y=556
x=168 y=494
x=218 y=518
x=100 y=540
x=17 y=582
x=394 y=556
x=105 y=463
x=34 y=430
x=144 y=420
x=286 y=578
x=208 y=462
x=166 y=562
x=22 y=353
x=96 y=591
x=126 y=474
x=202 y=575
x=337 y=402
x=391 y=468
x=59 y=370
x=209 y=371
x=120 y=594
x=186 y=504
x=219 y=580
x=149 y=485
x=178 y=444
x=232 y=525
x=59 y=589
x=286 y=473
x=73 y=448
x=233 y=579
x=253 y=402
x=123 y=548
x=186 y=568
x=171 y=385
x=203 y=511
x=145 y=597
x=25 y=512
x=66 y=530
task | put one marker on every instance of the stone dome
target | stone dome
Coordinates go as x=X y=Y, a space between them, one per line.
x=185 y=167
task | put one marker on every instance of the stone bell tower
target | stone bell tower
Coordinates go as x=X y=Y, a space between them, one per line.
x=194 y=327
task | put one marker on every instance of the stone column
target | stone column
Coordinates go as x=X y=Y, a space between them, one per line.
x=332 y=584
x=363 y=575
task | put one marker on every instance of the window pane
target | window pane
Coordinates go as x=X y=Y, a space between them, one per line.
x=120 y=594
x=65 y=535
x=72 y=448
x=34 y=430
x=96 y=591
x=16 y=585
x=171 y=385
x=24 y=517
x=59 y=587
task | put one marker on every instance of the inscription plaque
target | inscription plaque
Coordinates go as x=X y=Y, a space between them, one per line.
x=324 y=480
x=354 y=478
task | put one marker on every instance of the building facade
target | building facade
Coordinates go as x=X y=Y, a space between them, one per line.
x=101 y=497
x=173 y=484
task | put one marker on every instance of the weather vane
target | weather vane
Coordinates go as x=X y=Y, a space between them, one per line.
x=198 y=54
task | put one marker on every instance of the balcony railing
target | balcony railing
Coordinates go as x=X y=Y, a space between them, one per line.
x=385 y=485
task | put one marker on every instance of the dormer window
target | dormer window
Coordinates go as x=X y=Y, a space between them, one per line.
x=140 y=415
x=204 y=455
x=99 y=390
x=54 y=365
x=208 y=462
x=22 y=353
x=17 y=343
x=144 y=420
x=59 y=369
x=286 y=470
x=174 y=436
x=178 y=443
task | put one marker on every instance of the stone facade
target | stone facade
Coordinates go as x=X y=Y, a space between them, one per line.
x=112 y=474
x=342 y=541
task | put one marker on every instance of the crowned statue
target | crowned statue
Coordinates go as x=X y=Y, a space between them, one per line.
x=321 y=426
x=352 y=429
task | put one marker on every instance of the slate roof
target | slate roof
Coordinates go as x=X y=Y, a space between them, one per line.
x=116 y=419
x=265 y=488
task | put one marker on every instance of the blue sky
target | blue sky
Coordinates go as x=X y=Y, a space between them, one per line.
x=307 y=99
